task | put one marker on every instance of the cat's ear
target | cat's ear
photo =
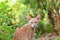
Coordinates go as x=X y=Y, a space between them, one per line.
x=28 y=17
x=38 y=16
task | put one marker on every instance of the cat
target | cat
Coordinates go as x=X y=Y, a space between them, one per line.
x=26 y=31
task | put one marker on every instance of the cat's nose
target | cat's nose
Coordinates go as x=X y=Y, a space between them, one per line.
x=34 y=26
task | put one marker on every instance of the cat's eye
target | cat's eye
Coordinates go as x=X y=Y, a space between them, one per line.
x=31 y=22
x=35 y=21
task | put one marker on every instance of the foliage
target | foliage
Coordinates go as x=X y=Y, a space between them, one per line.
x=13 y=14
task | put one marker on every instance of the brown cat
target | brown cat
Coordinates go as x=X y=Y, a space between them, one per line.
x=26 y=31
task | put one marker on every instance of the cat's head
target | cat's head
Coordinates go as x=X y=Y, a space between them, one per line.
x=33 y=22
